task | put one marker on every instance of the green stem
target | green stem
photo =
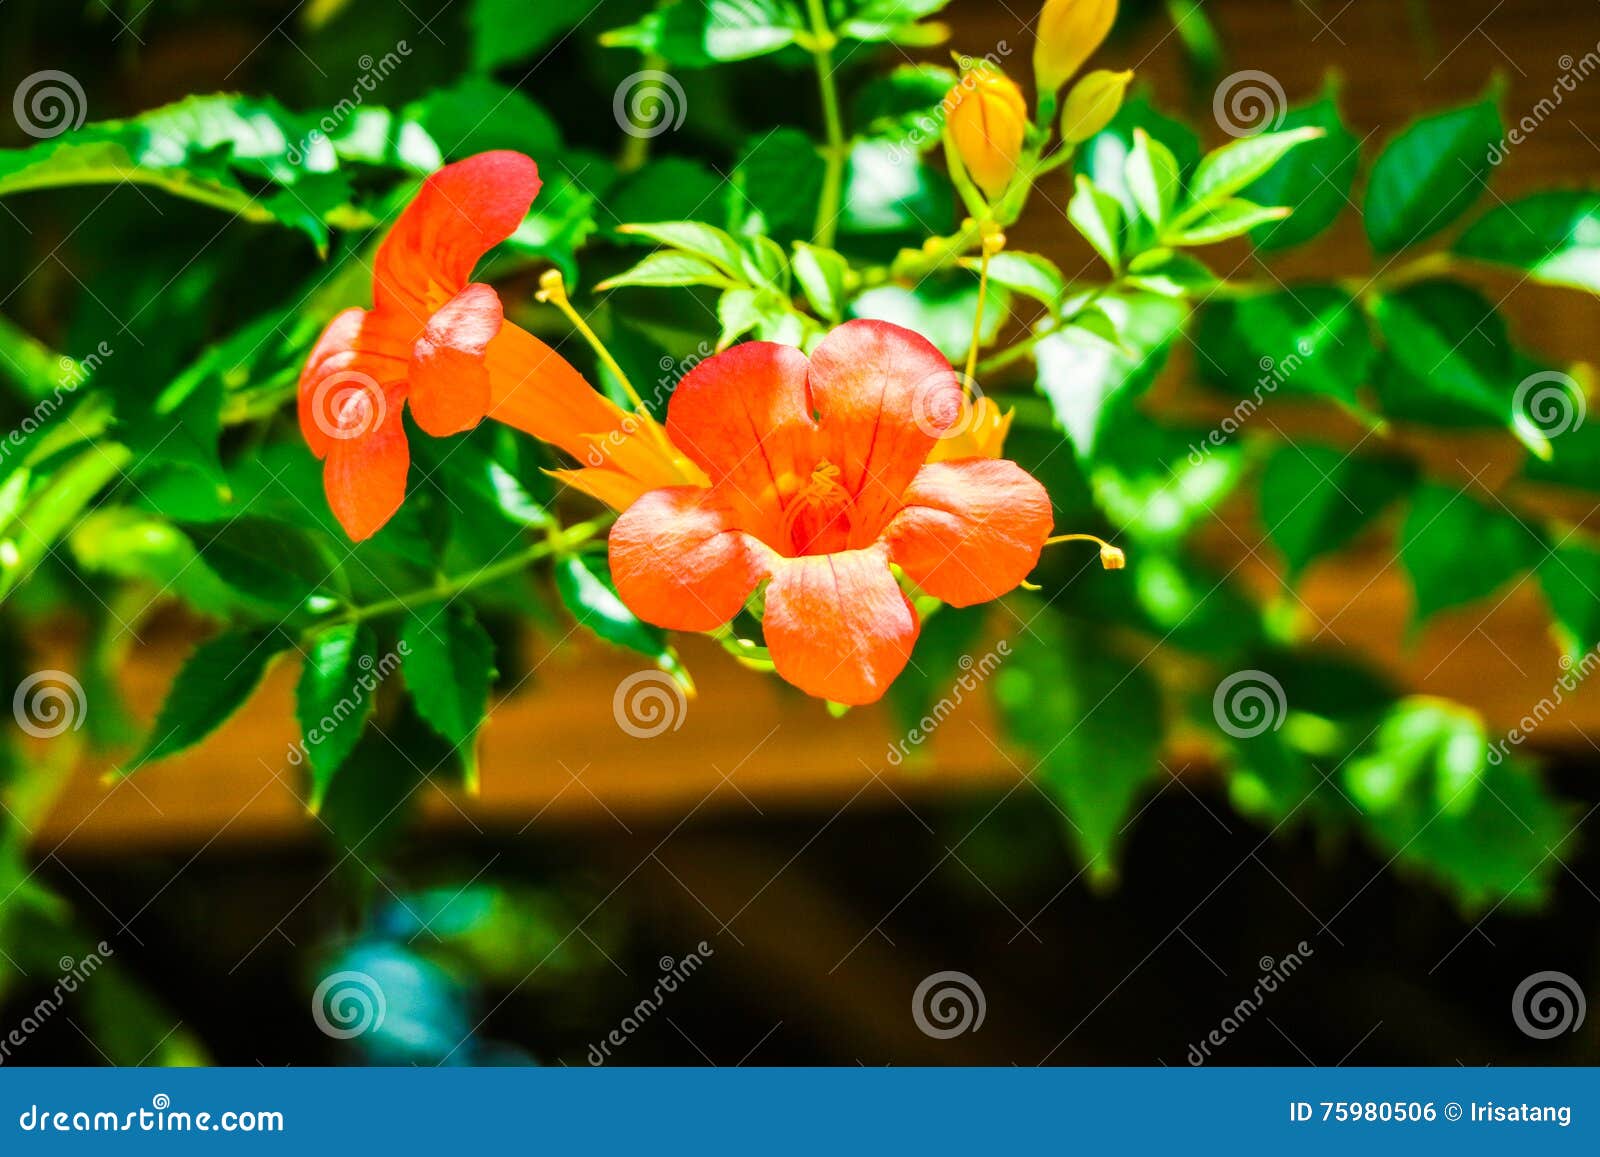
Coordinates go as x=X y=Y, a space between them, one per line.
x=52 y=512
x=559 y=542
x=837 y=150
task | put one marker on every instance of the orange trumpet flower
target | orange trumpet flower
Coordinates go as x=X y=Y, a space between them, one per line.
x=439 y=342
x=820 y=481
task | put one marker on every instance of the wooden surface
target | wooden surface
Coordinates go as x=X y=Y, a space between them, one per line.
x=555 y=754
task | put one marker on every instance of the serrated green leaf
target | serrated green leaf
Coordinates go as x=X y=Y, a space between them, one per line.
x=669 y=269
x=216 y=679
x=449 y=667
x=1457 y=550
x=333 y=700
x=692 y=237
x=1225 y=171
x=266 y=560
x=1311 y=340
x=1224 y=221
x=587 y=591
x=1314 y=179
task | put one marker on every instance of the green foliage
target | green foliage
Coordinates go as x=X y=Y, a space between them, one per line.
x=1429 y=175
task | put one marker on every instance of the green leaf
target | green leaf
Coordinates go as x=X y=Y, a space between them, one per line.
x=1310 y=341
x=942 y=312
x=1152 y=178
x=1225 y=171
x=1224 y=221
x=334 y=699
x=1026 y=273
x=266 y=560
x=1316 y=499
x=477 y=114
x=449 y=666
x=1091 y=724
x=1314 y=179
x=1088 y=381
x=1454 y=352
x=1555 y=236
x=699 y=33
x=131 y=544
x=214 y=682
x=823 y=275
x=587 y=591
x=1429 y=174
x=894 y=21
x=904 y=106
x=1098 y=216
x=1457 y=550
x=1170 y=274
x=695 y=238
x=1153 y=484
x=203 y=149
x=668 y=268
x=778 y=181
x=1103 y=157
x=1570 y=579
x=1437 y=797
x=508 y=31
x=890 y=194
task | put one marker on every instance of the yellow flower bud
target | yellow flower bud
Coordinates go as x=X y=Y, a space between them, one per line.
x=1069 y=33
x=986 y=118
x=1091 y=104
x=980 y=434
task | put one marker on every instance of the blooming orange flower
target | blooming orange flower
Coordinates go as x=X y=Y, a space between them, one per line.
x=438 y=342
x=820 y=482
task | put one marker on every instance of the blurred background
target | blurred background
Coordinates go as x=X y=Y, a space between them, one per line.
x=800 y=888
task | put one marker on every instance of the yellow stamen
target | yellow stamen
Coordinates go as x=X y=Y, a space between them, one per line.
x=993 y=242
x=1111 y=557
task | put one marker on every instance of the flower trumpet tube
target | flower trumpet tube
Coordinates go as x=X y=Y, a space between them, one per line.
x=438 y=343
x=820 y=486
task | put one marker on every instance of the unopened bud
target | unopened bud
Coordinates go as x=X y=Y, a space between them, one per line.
x=1069 y=33
x=985 y=118
x=1092 y=103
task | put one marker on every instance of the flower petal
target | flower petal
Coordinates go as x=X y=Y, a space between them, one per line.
x=449 y=380
x=365 y=478
x=461 y=212
x=743 y=417
x=884 y=395
x=680 y=562
x=838 y=626
x=970 y=530
x=356 y=354
x=535 y=389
